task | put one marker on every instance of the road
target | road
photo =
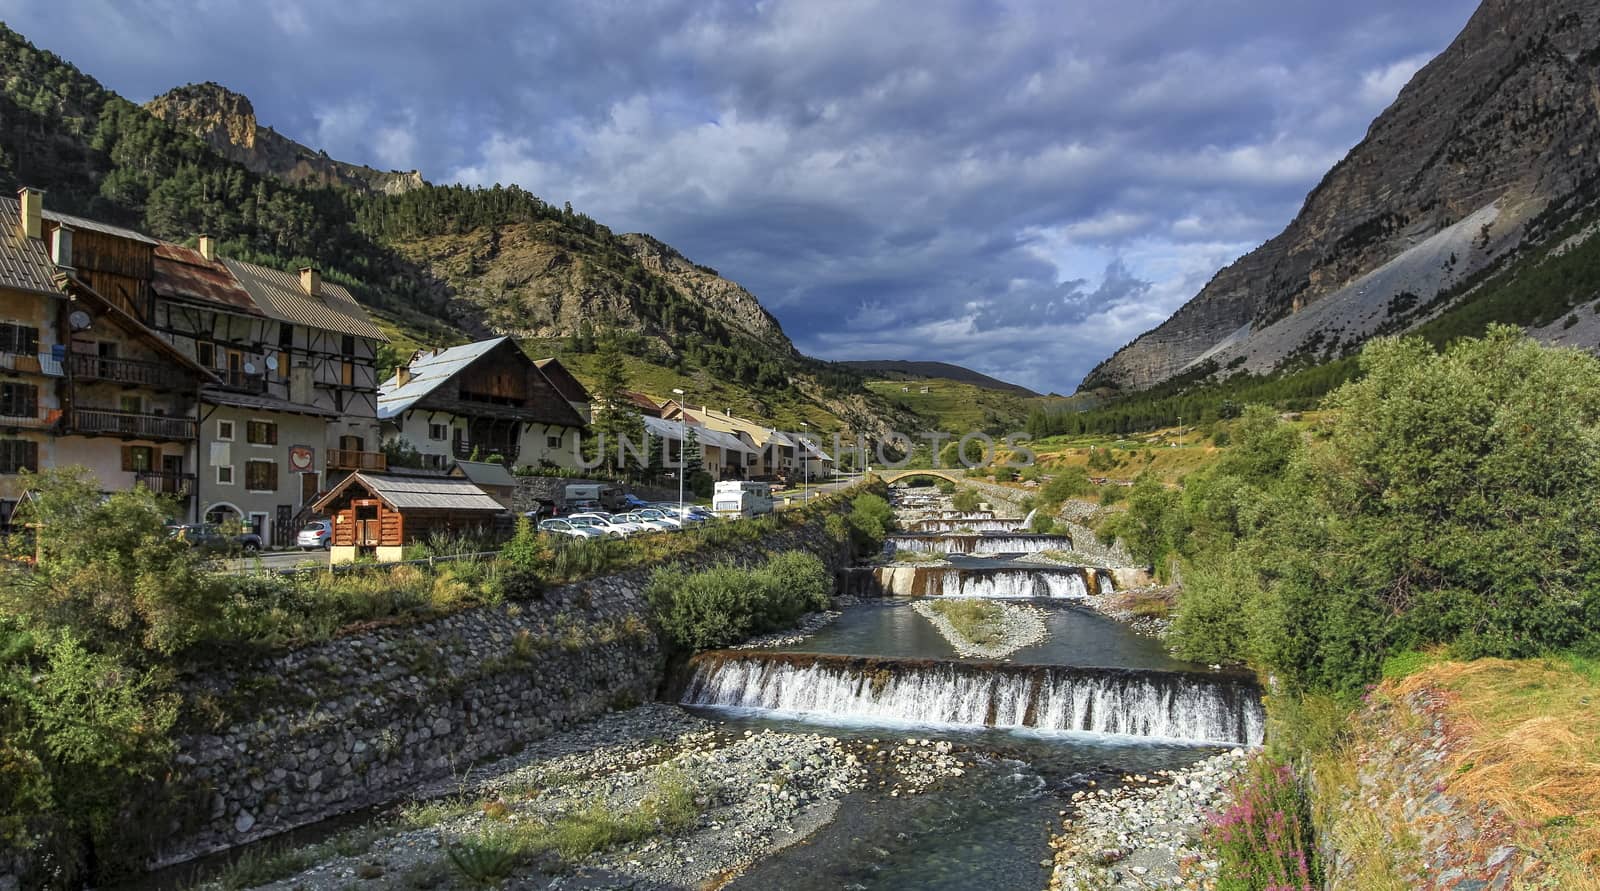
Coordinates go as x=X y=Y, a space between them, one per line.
x=280 y=560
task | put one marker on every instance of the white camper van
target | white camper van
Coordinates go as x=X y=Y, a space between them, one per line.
x=601 y=495
x=737 y=498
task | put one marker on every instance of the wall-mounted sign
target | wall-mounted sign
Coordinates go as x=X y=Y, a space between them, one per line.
x=301 y=459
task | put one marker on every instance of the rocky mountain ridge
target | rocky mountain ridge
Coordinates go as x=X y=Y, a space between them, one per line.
x=1499 y=129
x=226 y=121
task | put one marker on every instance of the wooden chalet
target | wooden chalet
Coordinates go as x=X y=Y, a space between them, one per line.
x=381 y=513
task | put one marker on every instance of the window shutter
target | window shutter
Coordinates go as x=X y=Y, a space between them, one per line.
x=127 y=458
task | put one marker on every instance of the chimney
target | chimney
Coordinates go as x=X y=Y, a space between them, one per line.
x=311 y=280
x=402 y=375
x=208 y=247
x=61 y=246
x=32 y=201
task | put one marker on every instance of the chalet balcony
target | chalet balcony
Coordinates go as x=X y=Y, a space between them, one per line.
x=128 y=372
x=245 y=383
x=44 y=419
x=163 y=483
x=349 y=459
x=30 y=363
x=466 y=450
x=108 y=422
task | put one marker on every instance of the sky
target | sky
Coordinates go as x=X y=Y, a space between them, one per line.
x=1019 y=186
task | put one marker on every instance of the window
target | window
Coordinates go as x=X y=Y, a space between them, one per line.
x=19 y=400
x=138 y=459
x=261 y=476
x=438 y=431
x=261 y=432
x=225 y=474
x=205 y=352
x=553 y=442
x=19 y=339
x=17 y=455
x=225 y=431
x=285 y=336
x=133 y=405
x=348 y=346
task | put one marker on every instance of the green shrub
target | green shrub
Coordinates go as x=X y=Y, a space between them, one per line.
x=871 y=519
x=1004 y=474
x=946 y=487
x=1068 y=482
x=966 y=501
x=1042 y=524
x=726 y=604
x=524 y=550
x=1111 y=493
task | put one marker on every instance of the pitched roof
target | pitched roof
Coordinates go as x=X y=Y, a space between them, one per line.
x=486 y=473
x=279 y=295
x=89 y=225
x=185 y=274
x=431 y=370
x=417 y=493
x=644 y=403
x=263 y=403
x=25 y=263
x=570 y=388
x=704 y=435
x=428 y=371
x=762 y=435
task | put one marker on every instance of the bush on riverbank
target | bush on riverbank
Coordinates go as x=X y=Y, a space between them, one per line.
x=1449 y=500
x=725 y=604
x=977 y=621
x=871 y=520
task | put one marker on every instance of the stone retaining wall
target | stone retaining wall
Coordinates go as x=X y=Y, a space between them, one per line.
x=368 y=718
x=1430 y=838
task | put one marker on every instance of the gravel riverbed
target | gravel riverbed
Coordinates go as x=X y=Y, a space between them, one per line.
x=743 y=795
x=1144 y=833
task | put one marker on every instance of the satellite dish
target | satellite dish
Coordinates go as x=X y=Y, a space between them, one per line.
x=80 y=320
x=249 y=368
x=272 y=363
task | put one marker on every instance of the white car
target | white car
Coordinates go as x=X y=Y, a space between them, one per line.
x=562 y=527
x=600 y=526
x=609 y=522
x=652 y=513
x=315 y=534
x=652 y=525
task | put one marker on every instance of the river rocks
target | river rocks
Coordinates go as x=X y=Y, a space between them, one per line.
x=1020 y=626
x=1144 y=833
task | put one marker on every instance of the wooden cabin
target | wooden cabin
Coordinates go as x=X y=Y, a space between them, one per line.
x=380 y=514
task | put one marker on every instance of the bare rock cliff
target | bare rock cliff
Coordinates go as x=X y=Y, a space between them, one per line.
x=227 y=122
x=1508 y=118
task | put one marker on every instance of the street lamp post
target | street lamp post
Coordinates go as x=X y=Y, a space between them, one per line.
x=805 y=462
x=682 y=442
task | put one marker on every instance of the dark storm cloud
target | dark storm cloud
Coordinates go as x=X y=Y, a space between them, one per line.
x=1016 y=186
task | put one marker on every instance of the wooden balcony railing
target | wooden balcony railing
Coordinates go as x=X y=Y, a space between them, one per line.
x=483 y=451
x=349 y=459
x=132 y=372
x=163 y=483
x=128 y=424
x=39 y=420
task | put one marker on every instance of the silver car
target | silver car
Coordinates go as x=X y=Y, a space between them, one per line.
x=562 y=527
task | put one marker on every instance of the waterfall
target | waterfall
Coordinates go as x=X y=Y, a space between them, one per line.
x=980 y=544
x=966 y=524
x=1058 y=582
x=1217 y=709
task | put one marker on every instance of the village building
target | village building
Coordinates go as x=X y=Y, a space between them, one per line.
x=570 y=388
x=484 y=401
x=83 y=381
x=378 y=514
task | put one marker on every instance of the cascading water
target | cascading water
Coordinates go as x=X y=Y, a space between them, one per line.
x=965 y=524
x=1120 y=702
x=979 y=544
x=1063 y=582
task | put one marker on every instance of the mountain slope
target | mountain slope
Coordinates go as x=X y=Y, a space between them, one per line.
x=901 y=369
x=434 y=263
x=226 y=121
x=1498 y=130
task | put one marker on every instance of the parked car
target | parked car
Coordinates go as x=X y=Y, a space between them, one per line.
x=581 y=507
x=315 y=534
x=664 y=516
x=648 y=523
x=609 y=523
x=633 y=501
x=604 y=529
x=690 y=513
x=562 y=527
x=209 y=537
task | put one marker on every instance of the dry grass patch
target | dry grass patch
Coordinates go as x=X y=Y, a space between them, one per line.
x=1530 y=746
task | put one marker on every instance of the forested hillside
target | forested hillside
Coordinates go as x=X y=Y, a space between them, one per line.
x=436 y=264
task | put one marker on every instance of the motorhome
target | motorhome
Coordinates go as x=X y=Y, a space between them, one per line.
x=608 y=497
x=741 y=498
